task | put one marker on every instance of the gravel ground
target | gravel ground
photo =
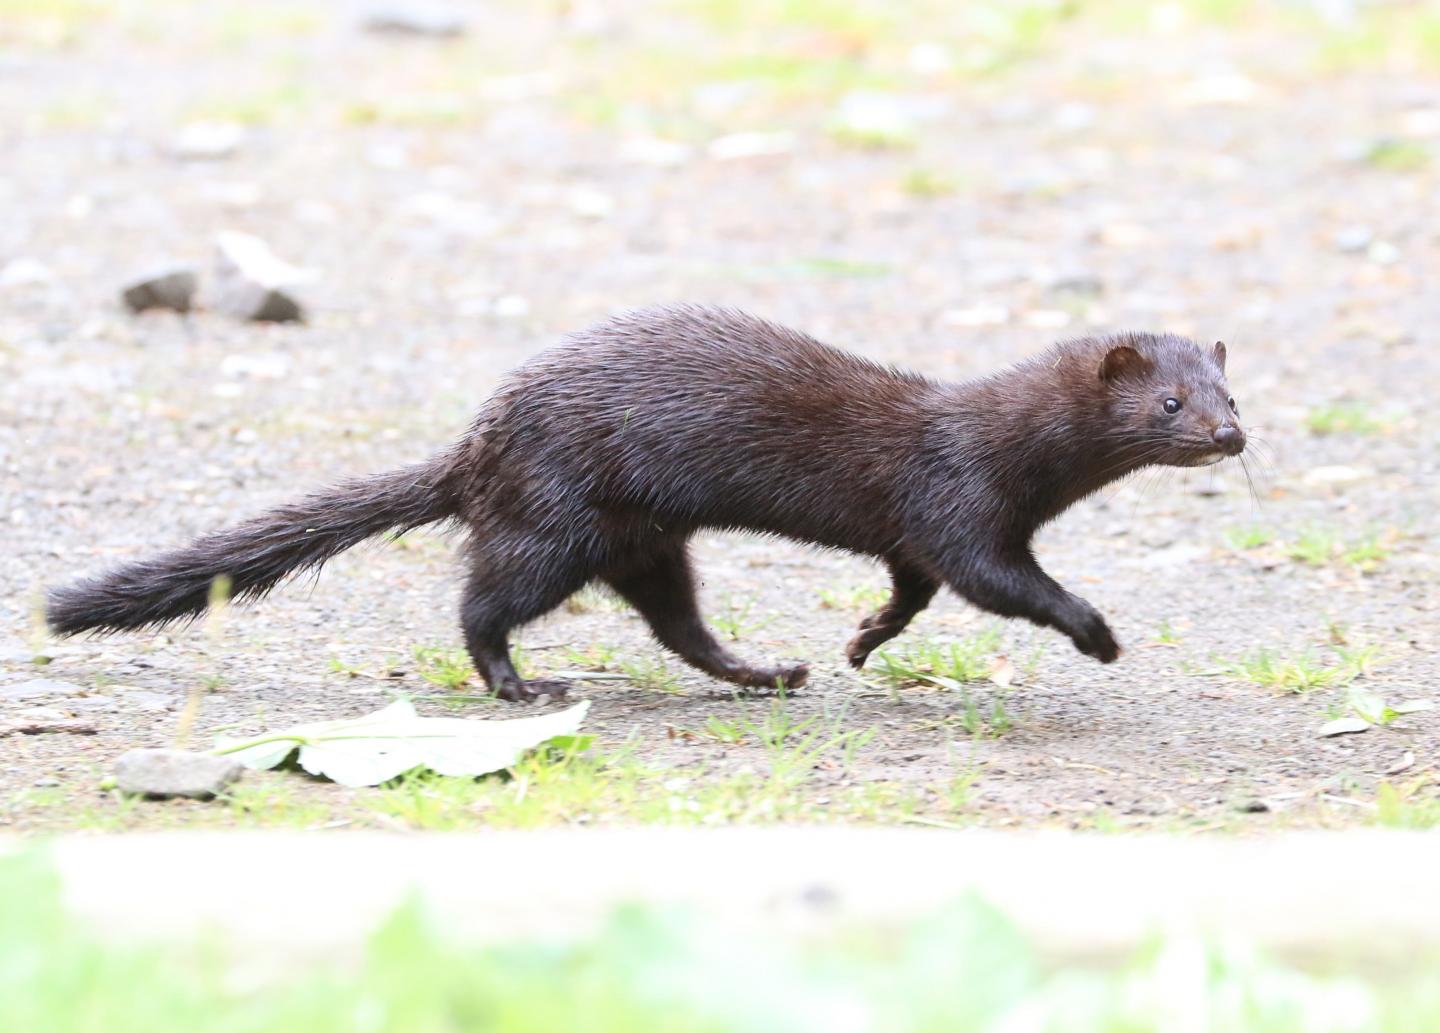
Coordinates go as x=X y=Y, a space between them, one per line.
x=466 y=202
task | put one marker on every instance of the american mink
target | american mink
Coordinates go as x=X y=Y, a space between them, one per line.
x=598 y=459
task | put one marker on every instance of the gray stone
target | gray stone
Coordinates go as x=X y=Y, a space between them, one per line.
x=38 y=687
x=172 y=288
x=1353 y=239
x=415 y=19
x=208 y=141
x=252 y=283
x=167 y=773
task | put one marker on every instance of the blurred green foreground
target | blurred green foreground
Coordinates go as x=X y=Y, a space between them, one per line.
x=964 y=969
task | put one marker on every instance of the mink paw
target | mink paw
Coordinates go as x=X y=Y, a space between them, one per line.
x=1097 y=640
x=536 y=691
x=873 y=633
x=776 y=678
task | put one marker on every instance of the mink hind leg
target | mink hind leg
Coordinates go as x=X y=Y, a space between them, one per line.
x=660 y=584
x=910 y=592
x=503 y=593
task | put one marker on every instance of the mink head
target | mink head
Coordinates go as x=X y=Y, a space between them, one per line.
x=1168 y=400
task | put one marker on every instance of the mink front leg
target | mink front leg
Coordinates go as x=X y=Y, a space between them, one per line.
x=1012 y=584
x=911 y=591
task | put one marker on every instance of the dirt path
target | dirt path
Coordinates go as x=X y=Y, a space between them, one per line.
x=466 y=202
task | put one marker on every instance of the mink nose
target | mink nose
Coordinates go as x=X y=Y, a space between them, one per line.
x=1230 y=438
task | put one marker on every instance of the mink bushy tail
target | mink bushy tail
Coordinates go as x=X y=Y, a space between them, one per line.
x=256 y=555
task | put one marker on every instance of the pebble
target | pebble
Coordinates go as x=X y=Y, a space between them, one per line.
x=415 y=19
x=750 y=145
x=37 y=687
x=253 y=283
x=167 y=773
x=40 y=720
x=1337 y=475
x=978 y=315
x=170 y=288
x=207 y=141
x=24 y=272
x=652 y=150
x=1353 y=239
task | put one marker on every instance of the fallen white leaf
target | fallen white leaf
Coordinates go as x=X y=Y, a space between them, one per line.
x=366 y=751
x=1413 y=706
x=1343 y=726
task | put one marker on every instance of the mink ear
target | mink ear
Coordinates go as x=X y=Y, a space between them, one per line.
x=1219 y=354
x=1123 y=361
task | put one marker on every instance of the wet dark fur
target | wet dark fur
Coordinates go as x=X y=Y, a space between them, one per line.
x=601 y=457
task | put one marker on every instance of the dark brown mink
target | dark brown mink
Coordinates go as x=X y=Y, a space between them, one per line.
x=600 y=458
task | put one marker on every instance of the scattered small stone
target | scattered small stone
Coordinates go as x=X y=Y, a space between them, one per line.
x=144 y=699
x=1382 y=252
x=253 y=283
x=42 y=720
x=1353 y=239
x=172 y=288
x=1255 y=807
x=1225 y=88
x=25 y=272
x=651 y=150
x=750 y=145
x=415 y=19
x=930 y=59
x=1077 y=285
x=165 y=773
x=978 y=315
x=511 y=306
x=38 y=687
x=1074 y=116
x=1047 y=318
x=46 y=783
x=207 y=141
x=1337 y=475
x=590 y=203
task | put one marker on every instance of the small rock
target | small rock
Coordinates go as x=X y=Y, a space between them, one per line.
x=1072 y=117
x=652 y=150
x=167 y=773
x=25 y=272
x=40 y=720
x=1353 y=239
x=1254 y=807
x=930 y=59
x=1077 y=285
x=207 y=141
x=144 y=699
x=253 y=283
x=1337 y=475
x=750 y=145
x=1382 y=252
x=1224 y=88
x=1047 y=318
x=414 y=19
x=979 y=315
x=172 y=288
x=37 y=687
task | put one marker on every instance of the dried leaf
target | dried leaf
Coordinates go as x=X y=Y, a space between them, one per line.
x=368 y=750
x=1344 y=726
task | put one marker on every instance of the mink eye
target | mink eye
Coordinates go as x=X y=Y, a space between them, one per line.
x=1172 y=406
x=1233 y=407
